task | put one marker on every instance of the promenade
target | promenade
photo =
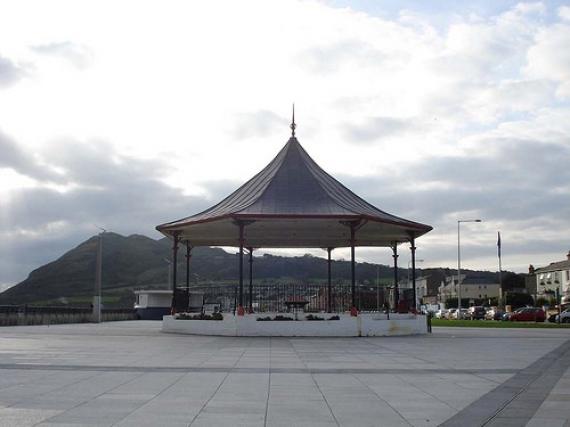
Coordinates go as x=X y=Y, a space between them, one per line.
x=130 y=374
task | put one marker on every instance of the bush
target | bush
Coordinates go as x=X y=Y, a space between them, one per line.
x=336 y=317
x=312 y=317
x=217 y=316
x=518 y=300
x=264 y=319
x=199 y=316
x=280 y=317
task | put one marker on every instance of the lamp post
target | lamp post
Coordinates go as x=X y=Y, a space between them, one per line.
x=98 y=278
x=459 y=263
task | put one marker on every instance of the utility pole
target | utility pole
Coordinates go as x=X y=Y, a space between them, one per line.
x=459 y=264
x=98 y=278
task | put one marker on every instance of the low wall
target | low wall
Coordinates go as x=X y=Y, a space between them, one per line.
x=52 y=317
x=365 y=324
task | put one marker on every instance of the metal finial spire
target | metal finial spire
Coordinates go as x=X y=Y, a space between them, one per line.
x=293 y=125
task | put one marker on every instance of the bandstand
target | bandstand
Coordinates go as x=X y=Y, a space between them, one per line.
x=294 y=203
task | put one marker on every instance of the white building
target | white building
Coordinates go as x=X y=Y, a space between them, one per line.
x=473 y=287
x=552 y=277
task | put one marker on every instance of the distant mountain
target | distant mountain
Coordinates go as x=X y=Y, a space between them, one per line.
x=139 y=262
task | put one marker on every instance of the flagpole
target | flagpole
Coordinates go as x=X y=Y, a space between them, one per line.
x=501 y=305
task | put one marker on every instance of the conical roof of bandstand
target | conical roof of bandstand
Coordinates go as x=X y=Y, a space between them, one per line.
x=293 y=202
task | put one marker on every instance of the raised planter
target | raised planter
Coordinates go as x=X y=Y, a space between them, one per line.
x=365 y=324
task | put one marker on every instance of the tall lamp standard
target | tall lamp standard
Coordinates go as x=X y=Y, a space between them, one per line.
x=459 y=263
x=98 y=278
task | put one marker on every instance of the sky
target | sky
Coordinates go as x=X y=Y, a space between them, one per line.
x=125 y=115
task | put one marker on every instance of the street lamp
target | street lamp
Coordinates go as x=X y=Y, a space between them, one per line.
x=459 y=263
x=98 y=278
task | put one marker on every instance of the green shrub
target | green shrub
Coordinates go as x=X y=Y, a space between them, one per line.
x=199 y=316
x=280 y=317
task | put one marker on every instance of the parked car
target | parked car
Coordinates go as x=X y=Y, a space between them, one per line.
x=564 y=316
x=476 y=312
x=494 y=313
x=464 y=314
x=528 y=314
x=450 y=313
x=440 y=314
x=498 y=315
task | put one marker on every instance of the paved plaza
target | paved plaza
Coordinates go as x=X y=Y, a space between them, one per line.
x=131 y=374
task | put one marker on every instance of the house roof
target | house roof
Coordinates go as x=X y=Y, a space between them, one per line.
x=555 y=266
x=471 y=279
x=293 y=202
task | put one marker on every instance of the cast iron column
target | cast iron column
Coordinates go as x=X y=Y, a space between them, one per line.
x=188 y=256
x=250 y=280
x=396 y=290
x=240 y=294
x=413 y=250
x=175 y=241
x=353 y=309
x=329 y=286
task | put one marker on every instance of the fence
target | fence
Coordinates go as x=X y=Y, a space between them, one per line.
x=11 y=315
x=313 y=298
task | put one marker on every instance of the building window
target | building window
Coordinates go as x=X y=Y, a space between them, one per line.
x=479 y=296
x=567 y=274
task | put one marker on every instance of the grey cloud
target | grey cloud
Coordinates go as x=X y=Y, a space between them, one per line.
x=122 y=194
x=13 y=157
x=376 y=128
x=258 y=124
x=78 y=55
x=514 y=184
x=10 y=73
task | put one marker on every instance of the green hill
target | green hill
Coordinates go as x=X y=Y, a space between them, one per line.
x=139 y=262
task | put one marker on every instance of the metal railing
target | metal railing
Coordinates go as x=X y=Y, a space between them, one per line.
x=284 y=297
x=11 y=315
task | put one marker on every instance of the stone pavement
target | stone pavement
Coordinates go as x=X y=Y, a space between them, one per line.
x=131 y=374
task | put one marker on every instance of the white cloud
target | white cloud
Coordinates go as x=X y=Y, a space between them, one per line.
x=549 y=57
x=201 y=93
x=10 y=73
x=78 y=55
x=564 y=12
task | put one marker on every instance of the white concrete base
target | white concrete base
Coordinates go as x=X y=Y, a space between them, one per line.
x=365 y=324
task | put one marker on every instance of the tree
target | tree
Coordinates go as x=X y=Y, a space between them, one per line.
x=518 y=300
x=512 y=280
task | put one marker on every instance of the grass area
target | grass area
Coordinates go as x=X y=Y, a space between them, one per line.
x=496 y=324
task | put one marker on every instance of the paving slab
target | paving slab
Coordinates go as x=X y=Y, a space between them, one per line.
x=130 y=374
